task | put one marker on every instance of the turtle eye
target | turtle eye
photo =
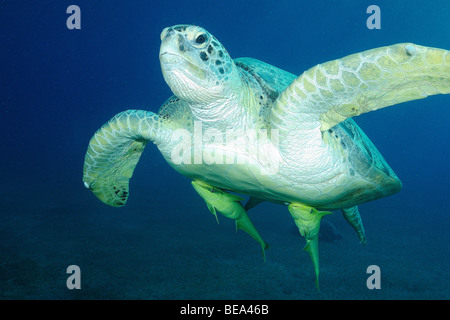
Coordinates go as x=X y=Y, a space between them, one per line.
x=200 y=39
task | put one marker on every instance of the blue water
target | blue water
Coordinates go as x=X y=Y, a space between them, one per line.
x=58 y=86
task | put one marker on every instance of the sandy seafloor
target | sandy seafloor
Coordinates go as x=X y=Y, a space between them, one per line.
x=58 y=86
x=143 y=251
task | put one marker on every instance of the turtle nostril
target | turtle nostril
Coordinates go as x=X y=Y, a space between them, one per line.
x=166 y=32
x=163 y=33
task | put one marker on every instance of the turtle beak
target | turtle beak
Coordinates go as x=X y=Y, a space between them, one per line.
x=169 y=58
x=169 y=51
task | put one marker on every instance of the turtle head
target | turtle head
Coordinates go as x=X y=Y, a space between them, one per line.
x=195 y=65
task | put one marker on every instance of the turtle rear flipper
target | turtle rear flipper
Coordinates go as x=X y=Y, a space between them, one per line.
x=352 y=216
x=115 y=150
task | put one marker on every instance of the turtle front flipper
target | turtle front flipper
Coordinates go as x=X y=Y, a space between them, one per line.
x=307 y=220
x=329 y=93
x=114 y=152
x=230 y=206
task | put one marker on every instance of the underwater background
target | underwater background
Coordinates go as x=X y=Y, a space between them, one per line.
x=58 y=86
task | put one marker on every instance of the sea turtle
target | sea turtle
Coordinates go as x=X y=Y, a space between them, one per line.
x=247 y=127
